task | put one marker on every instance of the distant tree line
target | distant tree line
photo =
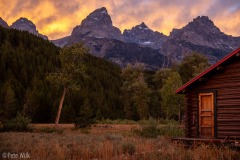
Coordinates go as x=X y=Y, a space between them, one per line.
x=152 y=93
x=35 y=74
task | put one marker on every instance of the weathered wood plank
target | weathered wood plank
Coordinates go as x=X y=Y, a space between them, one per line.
x=226 y=83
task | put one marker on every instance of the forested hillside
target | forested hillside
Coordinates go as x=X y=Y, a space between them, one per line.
x=26 y=60
x=106 y=90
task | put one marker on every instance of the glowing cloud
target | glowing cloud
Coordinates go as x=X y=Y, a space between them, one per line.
x=57 y=18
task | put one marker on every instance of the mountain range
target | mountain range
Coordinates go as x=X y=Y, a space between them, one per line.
x=23 y=24
x=141 y=44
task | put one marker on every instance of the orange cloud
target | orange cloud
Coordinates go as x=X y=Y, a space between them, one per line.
x=56 y=19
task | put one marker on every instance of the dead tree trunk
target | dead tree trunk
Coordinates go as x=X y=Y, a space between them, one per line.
x=60 y=107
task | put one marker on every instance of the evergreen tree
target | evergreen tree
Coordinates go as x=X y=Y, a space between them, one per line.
x=9 y=103
x=84 y=118
x=68 y=114
x=85 y=110
x=31 y=104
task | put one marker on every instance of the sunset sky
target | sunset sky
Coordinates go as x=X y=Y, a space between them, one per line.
x=57 y=18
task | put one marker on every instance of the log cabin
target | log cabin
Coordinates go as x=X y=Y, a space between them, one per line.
x=212 y=101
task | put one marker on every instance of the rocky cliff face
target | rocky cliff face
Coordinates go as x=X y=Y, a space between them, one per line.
x=3 y=23
x=98 y=24
x=130 y=53
x=27 y=25
x=123 y=53
x=106 y=41
x=142 y=35
x=200 y=35
x=142 y=45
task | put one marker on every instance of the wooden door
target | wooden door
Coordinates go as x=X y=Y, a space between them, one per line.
x=206 y=115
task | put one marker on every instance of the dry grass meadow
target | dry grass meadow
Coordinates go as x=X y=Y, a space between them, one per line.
x=102 y=142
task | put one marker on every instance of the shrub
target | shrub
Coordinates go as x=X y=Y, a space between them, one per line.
x=148 y=131
x=167 y=121
x=129 y=148
x=151 y=130
x=83 y=122
x=147 y=122
x=19 y=123
x=172 y=131
x=51 y=130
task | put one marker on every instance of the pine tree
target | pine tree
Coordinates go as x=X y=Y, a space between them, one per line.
x=9 y=103
x=84 y=118
x=31 y=103
x=85 y=110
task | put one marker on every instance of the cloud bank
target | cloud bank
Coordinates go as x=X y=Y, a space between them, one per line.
x=57 y=18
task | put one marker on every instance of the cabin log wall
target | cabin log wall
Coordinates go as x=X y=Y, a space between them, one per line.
x=227 y=86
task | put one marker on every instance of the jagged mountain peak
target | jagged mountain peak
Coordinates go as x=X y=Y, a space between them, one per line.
x=142 y=35
x=202 y=21
x=98 y=24
x=24 y=19
x=3 y=23
x=103 y=10
x=200 y=35
x=99 y=16
x=25 y=24
x=200 y=25
x=143 y=25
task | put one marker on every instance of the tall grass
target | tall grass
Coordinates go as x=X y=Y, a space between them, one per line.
x=74 y=145
x=152 y=129
x=150 y=141
x=140 y=122
x=116 y=121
